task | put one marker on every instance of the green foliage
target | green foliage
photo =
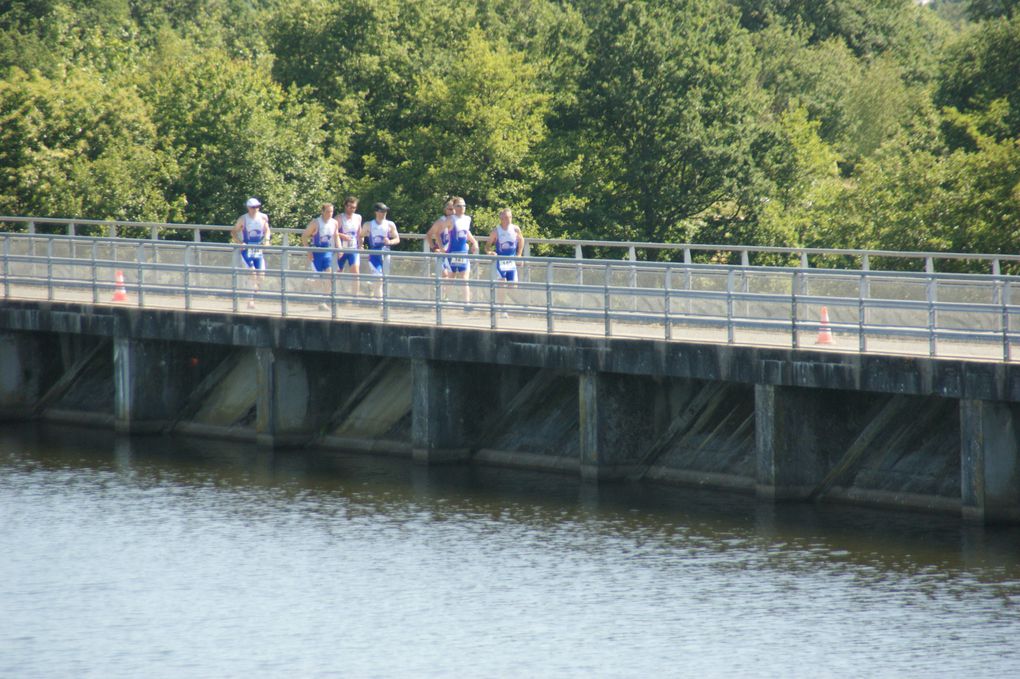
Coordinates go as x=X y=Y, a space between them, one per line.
x=982 y=67
x=236 y=133
x=80 y=147
x=668 y=97
x=870 y=123
x=991 y=9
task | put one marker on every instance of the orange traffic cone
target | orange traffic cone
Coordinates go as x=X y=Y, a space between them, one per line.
x=119 y=292
x=824 y=333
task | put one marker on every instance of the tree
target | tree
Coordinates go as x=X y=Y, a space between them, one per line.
x=667 y=102
x=979 y=10
x=80 y=147
x=471 y=131
x=235 y=133
x=984 y=66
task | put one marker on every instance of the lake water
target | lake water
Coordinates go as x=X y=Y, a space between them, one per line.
x=159 y=557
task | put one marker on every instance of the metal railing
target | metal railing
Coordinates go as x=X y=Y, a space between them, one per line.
x=687 y=253
x=934 y=314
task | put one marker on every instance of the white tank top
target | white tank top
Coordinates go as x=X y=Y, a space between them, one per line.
x=350 y=226
x=254 y=229
x=378 y=233
x=325 y=233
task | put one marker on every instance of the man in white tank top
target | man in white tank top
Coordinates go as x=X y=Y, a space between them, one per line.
x=438 y=237
x=322 y=232
x=507 y=242
x=252 y=231
x=379 y=234
x=350 y=227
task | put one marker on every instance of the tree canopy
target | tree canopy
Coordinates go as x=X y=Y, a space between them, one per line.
x=867 y=123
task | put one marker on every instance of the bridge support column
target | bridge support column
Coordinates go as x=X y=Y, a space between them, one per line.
x=989 y=461
x=786 y=421
x=442 y=396
x=151 y=379
x=616 y=422
x=282 y=407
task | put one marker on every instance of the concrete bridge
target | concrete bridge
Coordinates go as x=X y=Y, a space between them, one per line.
x=417 y=375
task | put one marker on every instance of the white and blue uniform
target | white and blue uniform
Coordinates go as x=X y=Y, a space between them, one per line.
x=253 y=232
x=325 y=236
x=377 y=235
x=351 y=227
x=506 y=246
x=444 y=242
x=458 y=235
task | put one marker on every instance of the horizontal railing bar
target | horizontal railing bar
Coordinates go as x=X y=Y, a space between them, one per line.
x=557 y=263
x=574 y=243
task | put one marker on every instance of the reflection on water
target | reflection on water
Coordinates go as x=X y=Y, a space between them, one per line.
x=169 y=557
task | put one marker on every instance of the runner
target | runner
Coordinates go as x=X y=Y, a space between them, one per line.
x=438 y=236
x=322 y=232
x=252 y=229
x=350 y=227
x=461 y=241
x=379 y=234
x=506 y=240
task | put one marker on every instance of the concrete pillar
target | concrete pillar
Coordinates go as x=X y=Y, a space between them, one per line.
x=150 y=382
x=989 y=461
x=788 y=465
x=616 y=421
x=282 y=398
x=443 y=393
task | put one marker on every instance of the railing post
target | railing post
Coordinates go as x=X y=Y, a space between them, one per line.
x=187 y=277
x=95 y=275
x=1005 y=324
x=283 y=289
x=730 y=334
x=932 y=318
x=997 y=288
x=140 y=277
x=862 y=345
x=804 y=264
x=1007 y=349
x=234 y=302
x=665 y=302
x=70 y=229
x=154 y=232
x=386 y=290
x=31 y=228
x=493 y=275
x=49 y=268
x=438 y=261
x=196 y=235
x=332 y=294
x=929 y=264
x=794 y=284
x=113 y=230
x=745 y=260
x=605 y=304
x=688 y=280
x=7 y=268
x=548 y=298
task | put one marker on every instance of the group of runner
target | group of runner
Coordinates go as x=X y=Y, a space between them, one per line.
x=338 y=240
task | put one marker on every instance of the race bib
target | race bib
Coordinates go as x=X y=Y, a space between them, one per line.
x=458 y=260
x=506 y=264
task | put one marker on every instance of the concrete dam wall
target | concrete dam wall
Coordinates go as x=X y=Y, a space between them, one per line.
x=785 y=425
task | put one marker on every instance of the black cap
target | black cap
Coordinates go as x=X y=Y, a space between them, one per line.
x=380 y=207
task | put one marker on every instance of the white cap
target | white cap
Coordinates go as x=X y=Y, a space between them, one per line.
x=253 y=202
